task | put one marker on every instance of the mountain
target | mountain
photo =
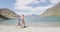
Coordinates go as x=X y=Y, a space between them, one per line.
x=7 y=13
x=53 y=11
x=32 y=15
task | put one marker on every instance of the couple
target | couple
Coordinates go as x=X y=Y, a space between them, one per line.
x=21 y=21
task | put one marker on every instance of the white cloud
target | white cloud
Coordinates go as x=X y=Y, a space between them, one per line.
x=54 y=1
x=20 y=4
x=43 y=0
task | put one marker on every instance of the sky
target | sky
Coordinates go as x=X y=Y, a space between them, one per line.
x=28 y=7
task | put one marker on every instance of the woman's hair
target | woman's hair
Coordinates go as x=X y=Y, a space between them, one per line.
x=22 y=15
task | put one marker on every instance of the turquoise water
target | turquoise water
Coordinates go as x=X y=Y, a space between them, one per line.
x=35 y=21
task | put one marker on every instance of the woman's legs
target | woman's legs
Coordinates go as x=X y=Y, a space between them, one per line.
x=23 y=24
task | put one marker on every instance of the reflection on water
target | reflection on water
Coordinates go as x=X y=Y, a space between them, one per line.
x=35 y=21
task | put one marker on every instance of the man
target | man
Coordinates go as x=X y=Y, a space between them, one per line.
x=19 y=21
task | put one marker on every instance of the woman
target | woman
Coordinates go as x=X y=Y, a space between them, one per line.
x=23 y=22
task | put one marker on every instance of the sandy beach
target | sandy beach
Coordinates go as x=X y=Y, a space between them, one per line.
x=5 y=28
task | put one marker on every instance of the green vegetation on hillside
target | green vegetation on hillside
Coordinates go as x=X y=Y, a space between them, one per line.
x=7 y=13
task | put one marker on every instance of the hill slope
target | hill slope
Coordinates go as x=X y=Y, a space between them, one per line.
x=7 y=13
x=54 y=11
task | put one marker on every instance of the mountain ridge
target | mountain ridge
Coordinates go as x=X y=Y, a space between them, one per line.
x=7 y=13
x=53 y=11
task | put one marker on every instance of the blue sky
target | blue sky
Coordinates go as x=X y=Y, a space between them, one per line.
x=27 y=7
x=38 y=4
x=7 y=4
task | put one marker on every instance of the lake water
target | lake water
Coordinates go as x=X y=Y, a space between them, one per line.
x=35 y=21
